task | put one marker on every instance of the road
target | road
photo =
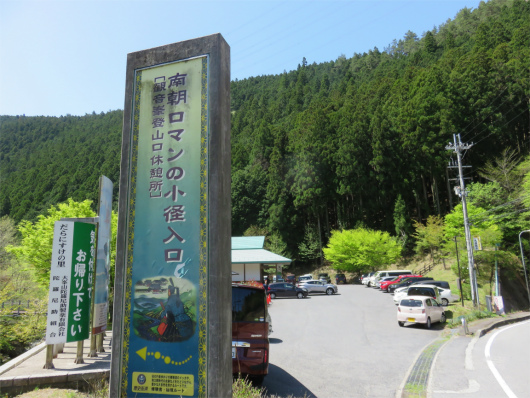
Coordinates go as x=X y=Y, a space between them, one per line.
x=493 y=366
x=345 y=345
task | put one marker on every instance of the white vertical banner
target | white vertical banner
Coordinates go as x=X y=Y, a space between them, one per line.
x=57 y=320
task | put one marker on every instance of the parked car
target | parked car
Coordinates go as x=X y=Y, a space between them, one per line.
x=442 y=284
x=324 y=277
x=398 y=279
x=420 y=309
x=314 y=286
x=251 y=326
x=446 y=296
x=306 y=277
x=378 y=281
x=400 y=294
x=407 y=282
x=424 y=290
x=417 y=290
x=283 y=289
x=290 y=279
x=386 y=273
x=366 y=277
x=340 y=278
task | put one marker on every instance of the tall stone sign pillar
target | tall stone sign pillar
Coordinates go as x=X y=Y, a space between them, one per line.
x=171 y=331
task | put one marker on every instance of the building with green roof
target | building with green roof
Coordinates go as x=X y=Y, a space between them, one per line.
x=250 y=259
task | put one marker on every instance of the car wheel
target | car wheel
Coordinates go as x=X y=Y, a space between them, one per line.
x=329 y=292
x=445 y=302
x=401 y=323
x=273 y=295
x=300 y=295
x=428 y=325
x=442 y=319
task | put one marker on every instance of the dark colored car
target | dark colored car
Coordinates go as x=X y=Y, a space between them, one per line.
x=424 y=291
x=290 y=279
x=324 y=276
x=340 y=278
x=398 y=279
x=407 y=282
x=250 y=332
x=283 y=289
x=442 y=284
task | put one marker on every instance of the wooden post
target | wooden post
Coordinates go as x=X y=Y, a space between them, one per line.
x=49 y=357
x=92 y=353
x=99 y=340
x=79 y=357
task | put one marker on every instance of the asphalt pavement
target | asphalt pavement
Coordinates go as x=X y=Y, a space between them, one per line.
x=455 y=364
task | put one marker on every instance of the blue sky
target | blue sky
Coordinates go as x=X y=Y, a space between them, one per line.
x=69 y=57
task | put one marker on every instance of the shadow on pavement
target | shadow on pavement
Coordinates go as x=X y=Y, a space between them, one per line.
x=275 y=341
x=279 y=383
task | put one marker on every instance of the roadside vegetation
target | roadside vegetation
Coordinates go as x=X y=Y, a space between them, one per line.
x=241 y=388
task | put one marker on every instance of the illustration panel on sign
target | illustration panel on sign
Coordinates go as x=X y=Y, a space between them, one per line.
x=164 y=309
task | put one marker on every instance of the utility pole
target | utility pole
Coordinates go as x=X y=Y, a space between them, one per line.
x=458 y=147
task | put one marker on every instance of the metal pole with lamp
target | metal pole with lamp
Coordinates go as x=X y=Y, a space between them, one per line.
x=524 y=266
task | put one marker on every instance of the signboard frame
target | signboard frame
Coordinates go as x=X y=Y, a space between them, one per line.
x=71 y=273
x=216 y=376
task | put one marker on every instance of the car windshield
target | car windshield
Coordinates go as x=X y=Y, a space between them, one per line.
x=411 y=303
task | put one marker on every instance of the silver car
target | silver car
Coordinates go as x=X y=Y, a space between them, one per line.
x=314 y=286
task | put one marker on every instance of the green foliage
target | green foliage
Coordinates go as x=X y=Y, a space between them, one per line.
x=430 y=237
x=454 y=221
x=361 y=250
x=309 y=248
x=35 y=248
x=243 y=388
x=46 y=160
x=18 y=333
x=401 y=222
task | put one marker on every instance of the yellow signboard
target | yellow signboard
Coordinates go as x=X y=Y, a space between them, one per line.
x=162 y=383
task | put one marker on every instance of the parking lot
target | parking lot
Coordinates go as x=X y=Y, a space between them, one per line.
x=344 y=345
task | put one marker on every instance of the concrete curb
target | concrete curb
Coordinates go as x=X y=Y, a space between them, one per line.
x=21 y=358
x=500 y=323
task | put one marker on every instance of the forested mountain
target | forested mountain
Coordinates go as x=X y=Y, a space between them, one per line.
x=327 y=146
x=46 y=160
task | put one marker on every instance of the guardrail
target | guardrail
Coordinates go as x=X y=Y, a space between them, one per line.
x=424 y=269
x=19 y=307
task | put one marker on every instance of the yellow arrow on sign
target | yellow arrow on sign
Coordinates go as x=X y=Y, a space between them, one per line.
x=142 y=353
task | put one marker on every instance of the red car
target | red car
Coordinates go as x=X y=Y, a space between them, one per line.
x=384 y=285
x=250 y=332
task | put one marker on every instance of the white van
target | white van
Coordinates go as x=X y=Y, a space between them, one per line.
x=382 y=274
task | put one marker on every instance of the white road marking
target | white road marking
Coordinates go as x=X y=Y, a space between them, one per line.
x=469 y=353
x=487 y=353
